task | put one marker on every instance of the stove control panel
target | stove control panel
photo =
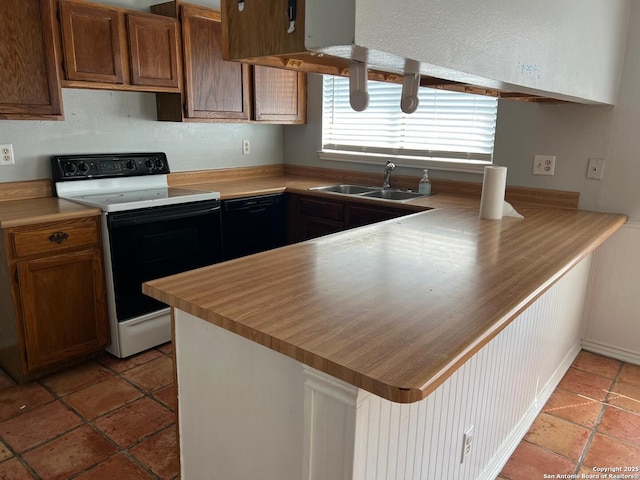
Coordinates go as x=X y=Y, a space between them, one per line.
x=81 y=167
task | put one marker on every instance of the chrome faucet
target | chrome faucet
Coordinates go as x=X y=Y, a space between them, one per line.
x=387 y=173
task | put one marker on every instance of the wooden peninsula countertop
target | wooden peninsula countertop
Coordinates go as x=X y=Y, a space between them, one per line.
x=395 y=307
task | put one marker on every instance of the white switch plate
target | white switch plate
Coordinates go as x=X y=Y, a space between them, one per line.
x=467 y=440
x=595 y=168
x=6 y=155
x=544 y=164
x=246 y=147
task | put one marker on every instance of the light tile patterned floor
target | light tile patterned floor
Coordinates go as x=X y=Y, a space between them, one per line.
x=114 y=419
x=105 y=419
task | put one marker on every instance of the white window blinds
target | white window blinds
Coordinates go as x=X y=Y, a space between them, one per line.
x=446 y=125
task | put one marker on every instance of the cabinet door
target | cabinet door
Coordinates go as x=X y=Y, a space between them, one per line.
x=280 y=96
x=91 y=36
x=215 y=88
x=63 y=305
x=359 y=214
x=29 y=80
x=315 y=217
x=153 y=50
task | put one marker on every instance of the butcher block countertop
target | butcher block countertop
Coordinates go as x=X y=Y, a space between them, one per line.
x=30 y=211
x=395 y=307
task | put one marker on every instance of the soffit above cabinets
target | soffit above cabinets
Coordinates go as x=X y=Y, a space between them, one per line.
x=534 y=51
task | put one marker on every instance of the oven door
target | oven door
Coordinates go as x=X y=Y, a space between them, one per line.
x=155 y=242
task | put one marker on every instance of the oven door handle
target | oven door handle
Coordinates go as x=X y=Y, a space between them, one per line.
x=139 y=218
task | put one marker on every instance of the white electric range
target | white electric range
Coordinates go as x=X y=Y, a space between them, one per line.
x=149 y=230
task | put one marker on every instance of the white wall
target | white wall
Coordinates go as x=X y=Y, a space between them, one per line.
x=552 y=46
x=108 y=122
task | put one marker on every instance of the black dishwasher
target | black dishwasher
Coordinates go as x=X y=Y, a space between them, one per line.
x=253 y=224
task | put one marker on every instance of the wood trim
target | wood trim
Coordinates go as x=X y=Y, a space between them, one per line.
x=52 y=59
x=24 y=190
x=538 y=197
x=542 y=197
x=224 y=175
x=87 y=85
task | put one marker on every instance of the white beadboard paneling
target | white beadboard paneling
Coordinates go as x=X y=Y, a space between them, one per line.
x=499 y=391
x=612 y=326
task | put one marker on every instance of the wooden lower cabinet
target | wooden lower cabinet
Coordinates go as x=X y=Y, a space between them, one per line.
x=312 y=216
x=53 y=295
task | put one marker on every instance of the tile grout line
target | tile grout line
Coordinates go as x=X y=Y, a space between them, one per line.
x=84 y=422
x=596 y=424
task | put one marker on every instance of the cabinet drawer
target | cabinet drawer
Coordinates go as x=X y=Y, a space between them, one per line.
x=325 y=209
x=55 y=237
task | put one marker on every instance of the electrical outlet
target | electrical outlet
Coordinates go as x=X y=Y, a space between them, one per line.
x=596 y=166
x=6 y=155
x=246 y=147
x=467 y=440
x=544 y=164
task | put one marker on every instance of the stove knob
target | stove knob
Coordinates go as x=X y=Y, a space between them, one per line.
x=83 y=167
x=130 y=164
x=70 y=168
x=159 y=164
x=149 y=163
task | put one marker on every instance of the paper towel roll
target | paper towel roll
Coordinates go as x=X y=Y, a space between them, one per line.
x=493 y=185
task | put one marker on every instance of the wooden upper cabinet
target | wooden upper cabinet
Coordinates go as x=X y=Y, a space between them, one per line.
x=280 y=96
x=29 y=75
x=91 y=36
x=215 y=88
x=111 y=48
x=153 y=50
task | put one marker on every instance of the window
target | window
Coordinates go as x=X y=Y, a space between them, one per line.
x=446 y=127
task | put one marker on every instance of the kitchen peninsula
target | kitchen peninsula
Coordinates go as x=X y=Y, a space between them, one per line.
x=384 y=345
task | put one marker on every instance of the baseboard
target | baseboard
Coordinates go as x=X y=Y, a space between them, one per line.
x=611 y=351
x=495 y=466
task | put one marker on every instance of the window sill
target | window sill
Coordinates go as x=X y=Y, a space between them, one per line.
x=476 y=167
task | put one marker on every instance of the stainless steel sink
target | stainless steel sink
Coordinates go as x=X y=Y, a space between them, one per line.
x=391 y=194
x=346 y=189
x=370 y=192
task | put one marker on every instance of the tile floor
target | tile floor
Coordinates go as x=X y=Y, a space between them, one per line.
x=114 y=419
x=107 y=419
x=592 y=420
